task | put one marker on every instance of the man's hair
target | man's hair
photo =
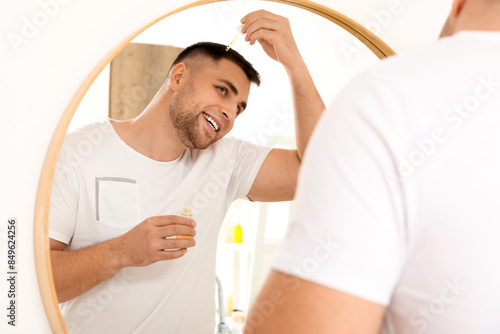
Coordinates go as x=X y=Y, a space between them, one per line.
x=216 y=52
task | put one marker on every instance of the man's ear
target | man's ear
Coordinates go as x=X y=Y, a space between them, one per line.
x=176 y=75
x=457 y=7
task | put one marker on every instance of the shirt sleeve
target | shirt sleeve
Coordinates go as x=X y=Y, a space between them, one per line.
x=247 y=160
x=348 y=229
x=64 y=197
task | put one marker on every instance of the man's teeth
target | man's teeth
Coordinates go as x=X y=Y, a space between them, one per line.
x=211 y=122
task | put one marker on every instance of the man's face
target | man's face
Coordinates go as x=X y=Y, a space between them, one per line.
x=204 y=108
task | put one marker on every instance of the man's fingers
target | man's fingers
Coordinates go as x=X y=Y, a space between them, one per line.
x=171 y=220
x=171 y=254
x=262 y=34
x=171 y=230
x=175 y=243
x=253 y=16
x=260 y=24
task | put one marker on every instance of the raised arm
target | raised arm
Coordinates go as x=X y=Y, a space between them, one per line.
x=277 y=177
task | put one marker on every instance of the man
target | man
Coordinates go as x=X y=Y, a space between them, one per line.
x=397 y=222
x=116 y=274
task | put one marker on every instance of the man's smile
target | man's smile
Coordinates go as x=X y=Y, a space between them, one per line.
x=212 y=122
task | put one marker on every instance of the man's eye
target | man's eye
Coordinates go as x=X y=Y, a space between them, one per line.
x=222 y=90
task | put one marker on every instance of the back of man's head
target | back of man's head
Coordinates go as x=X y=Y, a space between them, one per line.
x=197 y=53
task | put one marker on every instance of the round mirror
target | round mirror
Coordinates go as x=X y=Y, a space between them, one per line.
x=335 y=49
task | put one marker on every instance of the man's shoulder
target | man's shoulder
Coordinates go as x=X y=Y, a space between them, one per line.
x=228 y=142
x=442 y=55
x=232 y=143
x=94 y=133
x=232 y=148
x=87 y=140
x=225 y=144
x=413 y=71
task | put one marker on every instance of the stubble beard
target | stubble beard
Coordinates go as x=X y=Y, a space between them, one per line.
x=185 y=120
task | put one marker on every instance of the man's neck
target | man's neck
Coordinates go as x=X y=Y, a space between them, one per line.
x=152 y=133
x=479 y=16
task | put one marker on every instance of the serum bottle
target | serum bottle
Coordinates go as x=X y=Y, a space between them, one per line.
x=186 y=212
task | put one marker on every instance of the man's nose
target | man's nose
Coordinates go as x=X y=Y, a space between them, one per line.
x=229 y=112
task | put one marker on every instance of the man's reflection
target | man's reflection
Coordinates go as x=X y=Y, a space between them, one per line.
x=118 y=243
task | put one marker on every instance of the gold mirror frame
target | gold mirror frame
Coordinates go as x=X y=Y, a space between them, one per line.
x=40 y=232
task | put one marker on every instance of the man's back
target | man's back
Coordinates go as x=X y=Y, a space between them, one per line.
x=405 y=182
x=449 y=282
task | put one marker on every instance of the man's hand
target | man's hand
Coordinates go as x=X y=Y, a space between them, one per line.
x=78 y=271
x=274 y=34
x=146 y=243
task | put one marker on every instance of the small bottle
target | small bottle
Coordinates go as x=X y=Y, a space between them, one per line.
x=238 y=234
x=186 y=212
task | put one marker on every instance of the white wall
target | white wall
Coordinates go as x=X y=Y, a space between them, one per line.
x=47 y=50
x=95 y=104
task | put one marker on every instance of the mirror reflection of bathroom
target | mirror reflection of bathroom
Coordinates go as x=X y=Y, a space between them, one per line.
x=251 y=232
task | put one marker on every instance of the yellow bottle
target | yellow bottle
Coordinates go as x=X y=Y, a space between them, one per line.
x=238 y=234
x=186 y=212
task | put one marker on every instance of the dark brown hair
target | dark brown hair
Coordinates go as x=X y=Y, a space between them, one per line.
x=217 y=52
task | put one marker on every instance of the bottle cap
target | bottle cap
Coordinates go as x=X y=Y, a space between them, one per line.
x=186 y=212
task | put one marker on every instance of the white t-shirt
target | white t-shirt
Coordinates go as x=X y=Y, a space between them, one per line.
x=399 y=194
x=103 y=188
